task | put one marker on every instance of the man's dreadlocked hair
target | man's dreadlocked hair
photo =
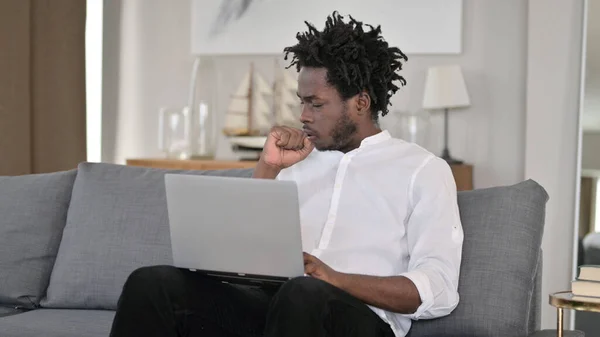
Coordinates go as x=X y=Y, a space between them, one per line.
x=355 y=59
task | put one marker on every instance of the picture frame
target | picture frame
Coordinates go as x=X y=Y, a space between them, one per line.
x=266 y=27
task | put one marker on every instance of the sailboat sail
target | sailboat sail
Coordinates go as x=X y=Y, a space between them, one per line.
x=261 y=110
x=286 y=107
x=249 y=101
x=236 y=119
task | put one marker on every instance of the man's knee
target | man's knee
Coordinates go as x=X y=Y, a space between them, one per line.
x=302 y=292
x=304 y=284
x=146 y=280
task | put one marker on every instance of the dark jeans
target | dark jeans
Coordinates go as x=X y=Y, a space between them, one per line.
x=167 y=302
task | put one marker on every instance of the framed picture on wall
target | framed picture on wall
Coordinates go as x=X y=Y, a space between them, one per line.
x=225 y=27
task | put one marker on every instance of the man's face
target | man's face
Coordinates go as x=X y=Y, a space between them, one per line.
x=328 y=120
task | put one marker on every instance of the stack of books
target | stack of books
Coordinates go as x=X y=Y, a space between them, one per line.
x=587 y=285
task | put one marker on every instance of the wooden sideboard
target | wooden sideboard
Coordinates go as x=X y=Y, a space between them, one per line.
x=191 y=164
x=463 y=174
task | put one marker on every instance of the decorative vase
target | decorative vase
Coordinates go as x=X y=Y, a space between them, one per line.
x=204 y=128
x=187 y=134
x=172 y=133
x=202 y=118
x=414 y=127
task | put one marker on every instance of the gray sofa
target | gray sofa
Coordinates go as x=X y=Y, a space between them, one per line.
x=68 y=241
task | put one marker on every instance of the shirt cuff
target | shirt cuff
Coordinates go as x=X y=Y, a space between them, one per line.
x=421 y=281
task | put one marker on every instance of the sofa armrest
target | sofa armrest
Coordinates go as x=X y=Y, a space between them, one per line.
x=552 y=333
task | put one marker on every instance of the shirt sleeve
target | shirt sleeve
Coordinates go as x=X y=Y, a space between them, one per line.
x=435 y=236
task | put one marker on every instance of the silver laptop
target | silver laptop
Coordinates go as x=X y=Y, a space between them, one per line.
x=239 y=230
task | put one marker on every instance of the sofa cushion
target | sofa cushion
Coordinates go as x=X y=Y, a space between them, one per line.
x=33 y=212
x=553 y=333
x=58 y=323
x=7 y=311
x=503 y=229
x=117 y=222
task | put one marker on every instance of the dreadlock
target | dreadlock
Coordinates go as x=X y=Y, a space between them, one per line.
x=355 y=59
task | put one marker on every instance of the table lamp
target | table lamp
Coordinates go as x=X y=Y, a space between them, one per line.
x=445 y=89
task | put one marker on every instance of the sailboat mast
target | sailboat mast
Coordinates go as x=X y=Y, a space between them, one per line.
x=250 y=98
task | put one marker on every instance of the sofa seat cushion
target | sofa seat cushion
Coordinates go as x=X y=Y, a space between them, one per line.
x=33 y=213
x=7 y=311
x=58 y=323
x=503 y=229
x=117 y=222
x=552 y=333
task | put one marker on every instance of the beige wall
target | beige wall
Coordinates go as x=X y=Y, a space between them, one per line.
x=153 y=64
x=590 y=151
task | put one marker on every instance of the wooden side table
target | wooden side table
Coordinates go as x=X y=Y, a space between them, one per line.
x=463 y=174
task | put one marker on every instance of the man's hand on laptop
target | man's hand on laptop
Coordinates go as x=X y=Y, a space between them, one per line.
x=285 y=146
x=318 y=269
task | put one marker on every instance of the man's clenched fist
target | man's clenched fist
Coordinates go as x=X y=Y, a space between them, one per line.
x=285 y=147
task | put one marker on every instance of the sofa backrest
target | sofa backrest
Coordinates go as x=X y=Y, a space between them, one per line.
x=499 y=283
x=117 y=222
x=33 y=211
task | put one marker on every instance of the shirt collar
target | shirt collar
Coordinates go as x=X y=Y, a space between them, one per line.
x=376 y=138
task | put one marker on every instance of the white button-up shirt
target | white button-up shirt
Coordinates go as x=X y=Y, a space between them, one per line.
x=387 y=208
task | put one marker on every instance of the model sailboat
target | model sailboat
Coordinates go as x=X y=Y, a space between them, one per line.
x=250 y=117
x=249 y=113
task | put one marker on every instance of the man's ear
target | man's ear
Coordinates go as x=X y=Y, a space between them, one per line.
x=363 y=103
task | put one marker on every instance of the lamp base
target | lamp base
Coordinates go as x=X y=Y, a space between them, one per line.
x=451 y=161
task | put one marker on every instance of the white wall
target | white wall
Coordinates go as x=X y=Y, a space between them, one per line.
x=553 y=75
x=147 y=65
x=590 y=147
x=152 y=61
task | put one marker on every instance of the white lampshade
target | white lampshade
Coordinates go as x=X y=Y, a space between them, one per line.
x=445 y=88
